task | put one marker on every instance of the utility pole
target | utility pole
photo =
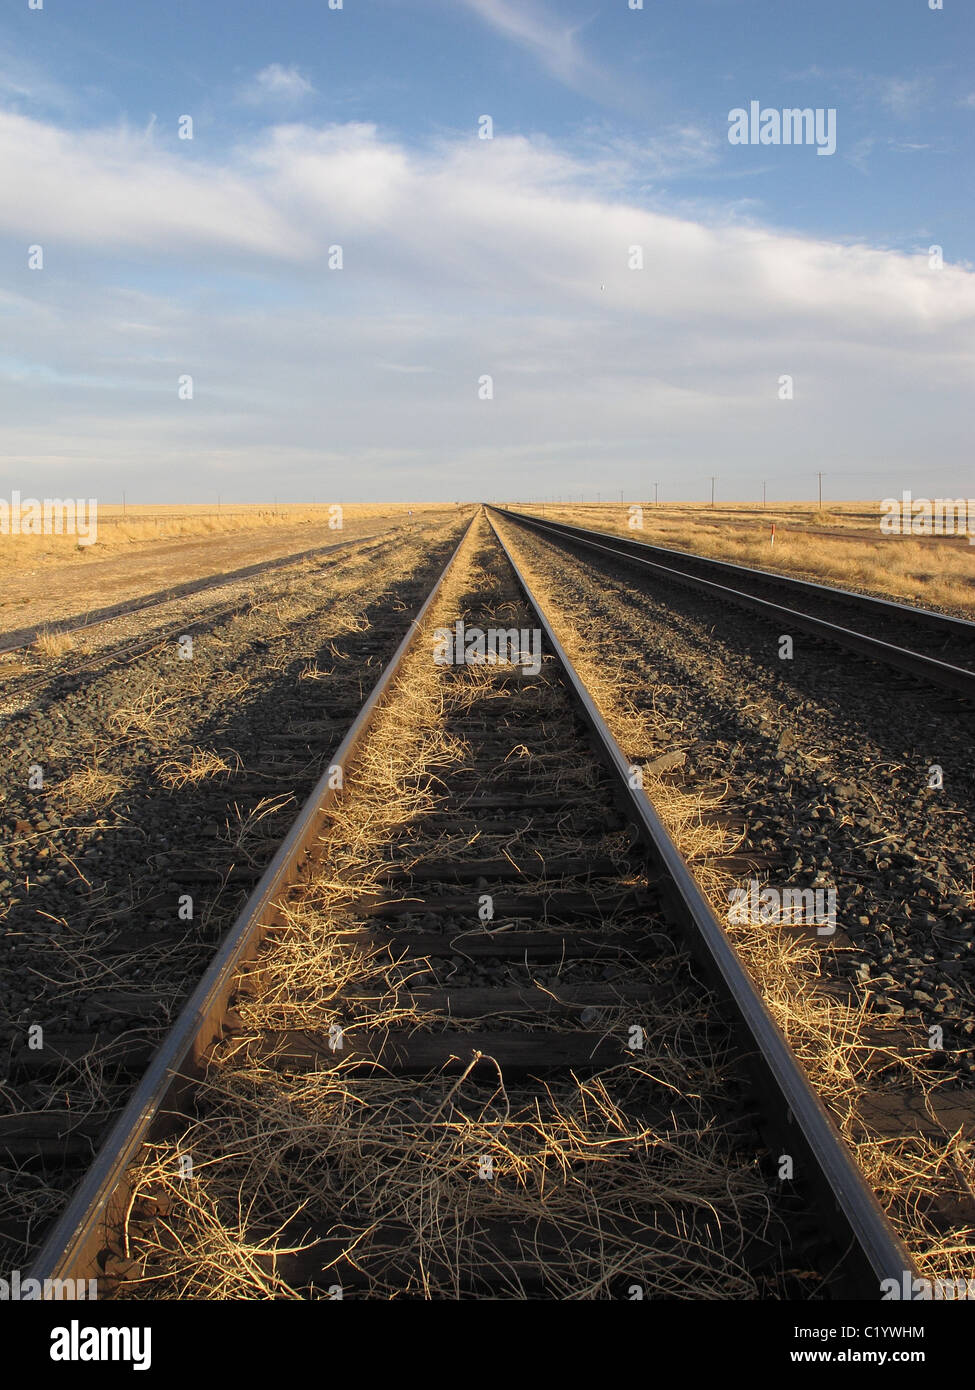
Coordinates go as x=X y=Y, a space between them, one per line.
x=714 y=479
x=655 y=486
x=820 y=477
x=763 y=497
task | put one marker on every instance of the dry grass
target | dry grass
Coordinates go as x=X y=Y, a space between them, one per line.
x=52 y=644
x=842 y=1048
x=47 y=579
x=202 y=765
x=90 y=788
x=149 y=714
x=931 y=573
x=244 y=830
x=136 y=526
x=568 y=1189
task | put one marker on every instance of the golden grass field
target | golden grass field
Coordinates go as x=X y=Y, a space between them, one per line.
x=841 y=545
x=143 y=550
x=133 y=526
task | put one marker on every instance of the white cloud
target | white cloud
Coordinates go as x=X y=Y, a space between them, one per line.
x=531 y=26
x=860 y=151
x=680 y=149
x=24 y=83
x=469 y=258
x=278 y=84
x=119 y=187
x=901 y=96
x=555 y=45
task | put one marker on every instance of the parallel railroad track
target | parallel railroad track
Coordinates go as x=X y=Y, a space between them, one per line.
x=558 y=1022
x=933 y=646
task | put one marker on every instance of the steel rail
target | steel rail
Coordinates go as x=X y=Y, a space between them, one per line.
x=941 y=673
x=883 y=607
x=835 y=1175
x=77 y=1242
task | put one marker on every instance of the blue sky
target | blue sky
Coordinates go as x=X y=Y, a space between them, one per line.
x=464 y=258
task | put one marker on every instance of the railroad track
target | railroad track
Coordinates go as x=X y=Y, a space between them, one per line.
x=933 y=646
x=822 y=769
x=476 y=1033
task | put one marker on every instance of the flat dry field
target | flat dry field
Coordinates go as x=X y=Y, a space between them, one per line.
x=44 y=578
x=841 y=545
